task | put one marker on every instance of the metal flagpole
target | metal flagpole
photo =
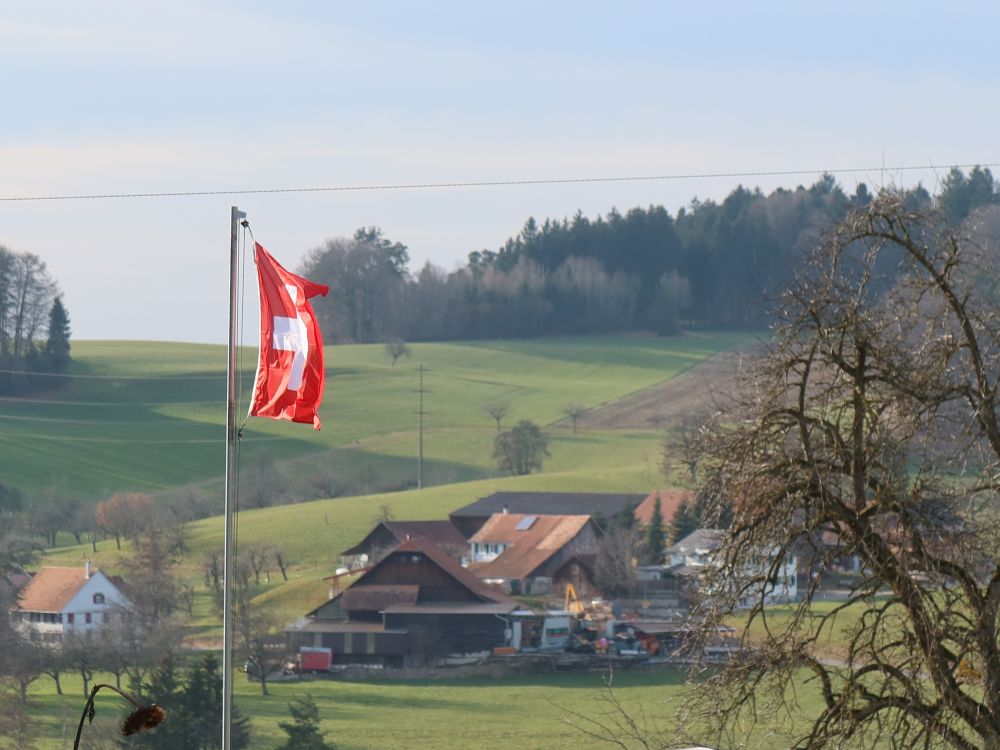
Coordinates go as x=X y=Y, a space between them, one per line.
x=420 y=459
x=228 y=548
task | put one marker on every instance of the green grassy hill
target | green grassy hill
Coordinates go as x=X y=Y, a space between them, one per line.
x=369 y=433
x=149 y=416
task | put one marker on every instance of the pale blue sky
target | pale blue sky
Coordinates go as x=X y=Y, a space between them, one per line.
x=134 y=97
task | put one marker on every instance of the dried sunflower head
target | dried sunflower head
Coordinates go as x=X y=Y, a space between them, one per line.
x=144 y=717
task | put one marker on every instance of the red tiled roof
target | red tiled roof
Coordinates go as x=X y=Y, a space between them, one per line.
x=51 y=589
x=670 y=501
x=545 y=532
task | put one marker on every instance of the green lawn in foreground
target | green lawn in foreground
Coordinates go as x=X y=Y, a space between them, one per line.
x=149 y=415
x=455 y=714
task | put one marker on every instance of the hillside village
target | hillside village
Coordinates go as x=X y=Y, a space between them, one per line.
x=511 y=574
x=514 y=573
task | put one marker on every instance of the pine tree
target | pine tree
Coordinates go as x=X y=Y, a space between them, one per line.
x=202 y=703
x=163 y=688
x=654 y=536
x=303 y=731
x=56 y=353
x=684 y=522
x=193 y=709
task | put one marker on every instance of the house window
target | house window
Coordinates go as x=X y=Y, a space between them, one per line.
x=98 y=598
x=69 y=618
x=86 y=618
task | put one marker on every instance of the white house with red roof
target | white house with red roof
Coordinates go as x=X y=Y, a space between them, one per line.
x=57 y=601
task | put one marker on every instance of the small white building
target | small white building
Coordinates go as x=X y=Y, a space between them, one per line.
x=57 y=601
x=547 y=631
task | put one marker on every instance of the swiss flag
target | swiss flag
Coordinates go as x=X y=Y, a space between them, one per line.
x=290 y=374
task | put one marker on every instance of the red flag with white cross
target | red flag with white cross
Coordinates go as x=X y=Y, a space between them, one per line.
x=290 y=373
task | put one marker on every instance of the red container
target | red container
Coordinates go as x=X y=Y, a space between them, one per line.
x=315 y=659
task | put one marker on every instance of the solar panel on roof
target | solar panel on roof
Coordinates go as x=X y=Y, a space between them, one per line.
x=525 y=523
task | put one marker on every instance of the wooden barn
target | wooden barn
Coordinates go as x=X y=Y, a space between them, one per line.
x=414 y=607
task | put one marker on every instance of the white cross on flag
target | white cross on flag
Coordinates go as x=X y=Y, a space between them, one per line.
x=290 y=372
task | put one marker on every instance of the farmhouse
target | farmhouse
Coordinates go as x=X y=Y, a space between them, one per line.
x=388 y=535
x=471 y=518
x=523 y=553
x=415 y=606
x=57 y=601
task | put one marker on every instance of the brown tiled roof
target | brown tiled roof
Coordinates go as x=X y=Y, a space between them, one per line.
x=378 y=597
x=670 y=500
x=440 y=533
x=544 y=532
x=529 y=547
x=51 y=589
x=447 y=564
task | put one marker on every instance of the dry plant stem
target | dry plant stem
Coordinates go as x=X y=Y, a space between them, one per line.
x=88 y=708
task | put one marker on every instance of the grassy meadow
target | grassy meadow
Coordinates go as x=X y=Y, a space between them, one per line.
x=147 y=416
x=549 y=711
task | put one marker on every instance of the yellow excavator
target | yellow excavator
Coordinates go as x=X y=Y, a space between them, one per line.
x=572 y=603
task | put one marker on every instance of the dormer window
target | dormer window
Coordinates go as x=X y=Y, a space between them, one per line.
x=98 y=598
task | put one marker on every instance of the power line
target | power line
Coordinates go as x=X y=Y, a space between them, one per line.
x=493 y=183
x=75 y=376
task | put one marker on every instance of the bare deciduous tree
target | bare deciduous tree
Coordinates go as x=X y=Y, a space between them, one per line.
x=869 y=428
x=258 y=633
x=573 y=413
x=497 y=410
x=396 y=348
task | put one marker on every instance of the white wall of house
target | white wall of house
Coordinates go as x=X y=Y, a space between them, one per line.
x=784 y=590
x=95 y=604
x=99 y=598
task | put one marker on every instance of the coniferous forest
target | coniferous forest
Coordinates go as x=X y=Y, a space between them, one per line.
x=710 y=266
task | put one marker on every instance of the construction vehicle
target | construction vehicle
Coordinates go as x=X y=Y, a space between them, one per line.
x=572 y=603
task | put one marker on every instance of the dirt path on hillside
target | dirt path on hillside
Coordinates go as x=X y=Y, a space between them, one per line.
x=697 y=391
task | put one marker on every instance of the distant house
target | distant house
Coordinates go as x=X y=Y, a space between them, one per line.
x=415 y=606
x=471 y=518
x=388 y=535
x=58 y=601
x=523 y=552
x=697 y=551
